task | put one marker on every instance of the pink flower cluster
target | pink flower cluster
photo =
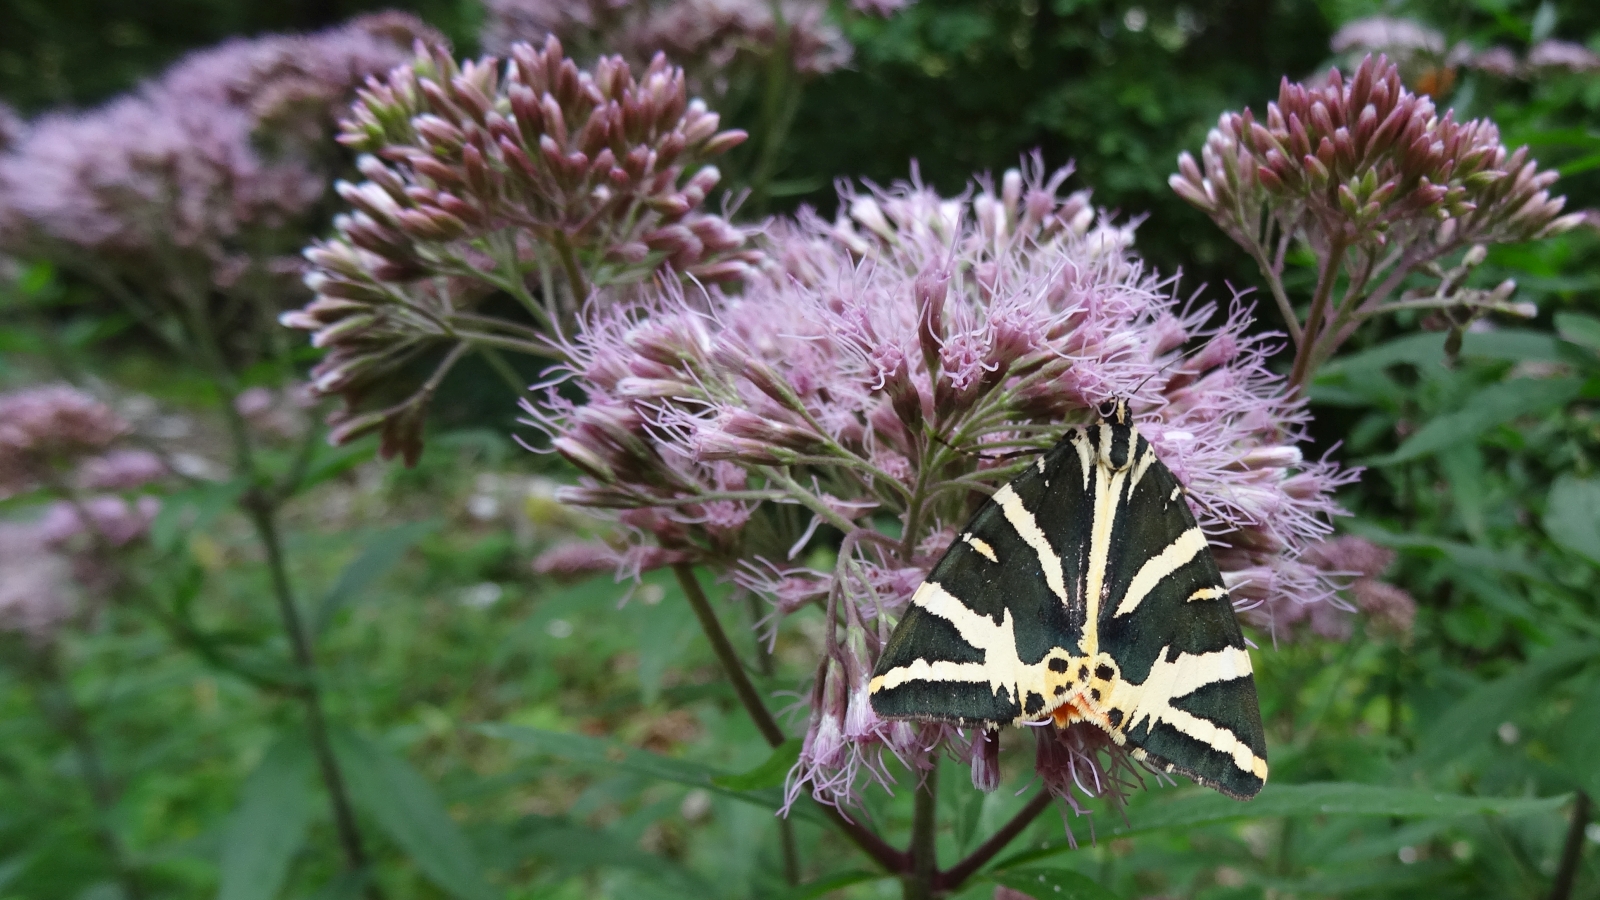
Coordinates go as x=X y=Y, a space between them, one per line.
x=514 y=175
x=213 y=168
x=1366 y=163
x=705 y=37
x=58 y=440
x=871 y=381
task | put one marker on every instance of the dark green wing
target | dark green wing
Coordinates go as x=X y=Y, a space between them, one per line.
x=1169 y=624
x=994 y=600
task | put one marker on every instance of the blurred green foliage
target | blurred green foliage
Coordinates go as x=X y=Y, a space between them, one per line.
x=512 y=737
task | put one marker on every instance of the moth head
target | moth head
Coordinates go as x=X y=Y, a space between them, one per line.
x=1115 y=411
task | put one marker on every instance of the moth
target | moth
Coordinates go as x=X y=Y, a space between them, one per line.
x=1083 y=591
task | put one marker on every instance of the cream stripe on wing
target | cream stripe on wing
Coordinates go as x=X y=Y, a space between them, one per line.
x=1176 y=555
x=1169 y=680
x=1208 y=593
x=1145 y=459
x=1028 y=529
x=1000 y=667
x=1107 y=489
x=1080 y=443
x=982 y=546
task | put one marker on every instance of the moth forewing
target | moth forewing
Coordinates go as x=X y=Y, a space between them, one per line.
x=1083 y=591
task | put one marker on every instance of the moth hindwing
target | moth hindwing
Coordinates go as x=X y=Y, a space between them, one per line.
x=1083 y=591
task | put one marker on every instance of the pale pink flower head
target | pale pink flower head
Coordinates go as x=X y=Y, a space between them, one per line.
x=204 y=178
x=1355 y=567
x=504 y=175
x=37 y=595
x=111 y=521
x=45 y=430
x=706 y=37
x=11 y=127
x=121 y=470
x=877 y=371
x=1365 y=164
x=1561 y=56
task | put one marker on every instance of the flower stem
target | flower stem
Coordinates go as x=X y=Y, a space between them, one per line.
x=1572 y=850
x=264 y=518
x=1319 y=306
x=261 y=506
x=731 y=664
x=957 y=875
x=919 y=882
x=62 y=708
x=862 y=837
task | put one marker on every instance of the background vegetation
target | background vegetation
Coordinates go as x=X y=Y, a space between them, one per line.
x=506 y=735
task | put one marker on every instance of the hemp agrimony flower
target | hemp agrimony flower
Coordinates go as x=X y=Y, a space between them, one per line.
x=59 y=442
x=527 y=176
x=705 y=37
x=1377 y=185
x=202 y=180
x=854 y=401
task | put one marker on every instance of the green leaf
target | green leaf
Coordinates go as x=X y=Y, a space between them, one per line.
x=824 y=886
x=1577 y=738
x=575 y=848
x=1426 y=351
x=663 y=634
x=1203 y=807
x=1363 y=879
x=1577 y=328
x=613 y=756
x=406 y=806
x=192 y=510
x=769 y=774
x=1494 y=405
x=380 y=553
x=1053 y=884
x=14 y=866
x=1572 y=516
x=1467 y=556
x=269 y=825
x=1474 y=717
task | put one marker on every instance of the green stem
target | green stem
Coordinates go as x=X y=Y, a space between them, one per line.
x=261 y=508
x=919 y=881
x=263 y=517
x=1279 y=295
x=731 y=664
x=874 y=846
x=954 y=877
x=576 y=283
x=503 y=369
x=1572 y=850
x=1319 y=307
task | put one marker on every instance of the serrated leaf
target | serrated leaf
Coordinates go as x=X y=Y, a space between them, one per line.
x=1494 y=405
x=824 y=886
x=1572 y=516
x=613 y=756
x=1316 y=799
x=1053 y=884
x=1578 y=737
x=1577 y=328
x=269 y=825
x=408 y=809
x=1471 y=719
x=1426 y=351
x=576 y=848
x=664 y=634
x=379 y=553
x=770 y=774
